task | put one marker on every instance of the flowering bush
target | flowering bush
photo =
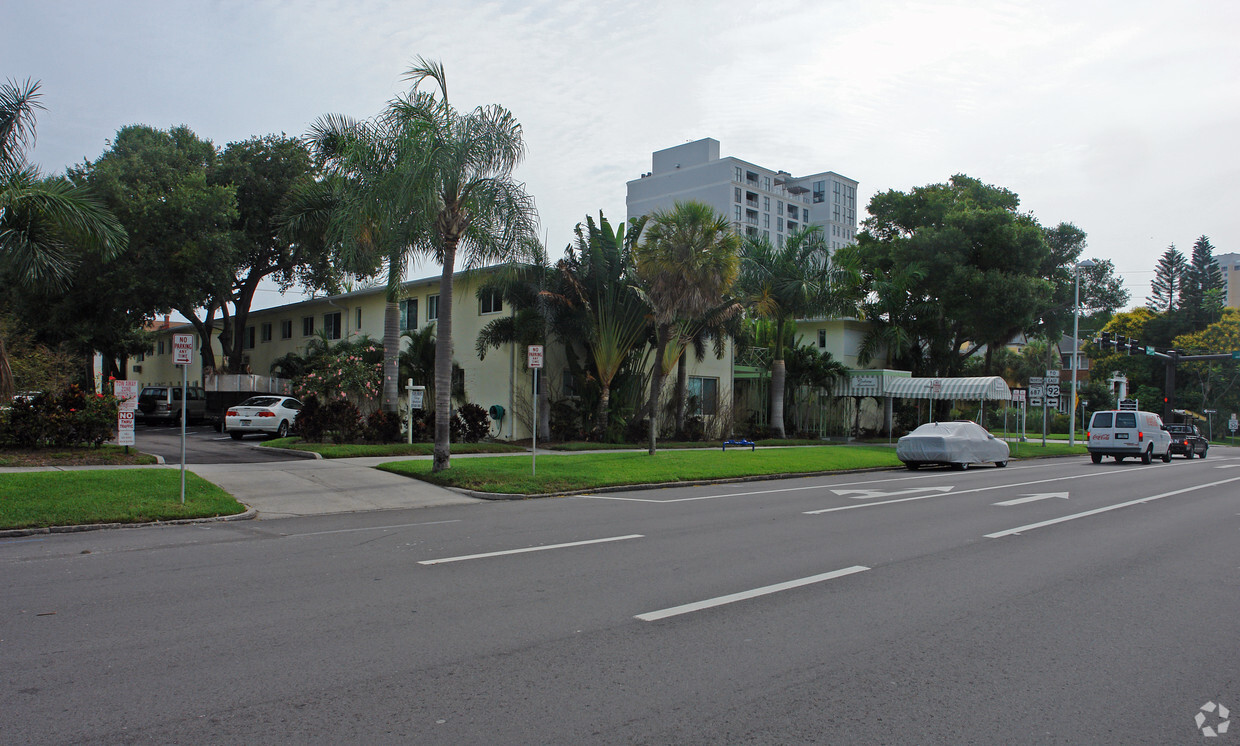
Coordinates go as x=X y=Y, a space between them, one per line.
x=347 y=373
x=69 y=418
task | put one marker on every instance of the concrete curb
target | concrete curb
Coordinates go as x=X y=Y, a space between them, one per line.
x=294 y=451
x=249 y=514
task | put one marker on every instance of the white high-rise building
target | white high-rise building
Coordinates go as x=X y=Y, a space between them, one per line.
x=758 y=201
x=1230 y=264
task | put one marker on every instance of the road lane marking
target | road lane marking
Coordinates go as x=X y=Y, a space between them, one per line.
x=529 y=549
x=744 y=595
x=371 y=528
x=1096 y=511
x=1033 y=498
x=981 y=489
x=872 y=494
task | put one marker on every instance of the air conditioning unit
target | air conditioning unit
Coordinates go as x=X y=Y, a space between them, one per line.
x=136 y=368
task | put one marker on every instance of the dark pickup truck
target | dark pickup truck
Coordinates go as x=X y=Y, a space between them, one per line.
x=1187 y=441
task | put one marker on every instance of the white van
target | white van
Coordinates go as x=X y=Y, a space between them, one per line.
x=1127 y=433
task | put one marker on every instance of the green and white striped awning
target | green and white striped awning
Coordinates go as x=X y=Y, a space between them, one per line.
x=981 y=387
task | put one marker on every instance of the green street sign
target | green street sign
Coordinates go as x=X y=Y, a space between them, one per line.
x=1149 y=350
x=1235 y=354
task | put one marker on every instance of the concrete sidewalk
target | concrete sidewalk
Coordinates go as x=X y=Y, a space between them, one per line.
x=316 y=487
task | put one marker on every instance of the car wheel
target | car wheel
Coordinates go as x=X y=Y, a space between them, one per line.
x=236 y=436
x=961 y=466
x=1148 y=456
x=1096 y=458
x=1166 y=457
x=1203 y=452
x=1000 y=464
x=912 y=465
x=282 y=430
x=1189 y=453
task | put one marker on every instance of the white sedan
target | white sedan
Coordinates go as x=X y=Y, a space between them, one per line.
x=956 y=444
x=273 y=415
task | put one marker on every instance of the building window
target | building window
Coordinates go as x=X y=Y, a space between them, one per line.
x=766 y=235
x=738 y=174
x=703 y=395
x=779 y=225
x=766 y=204
x=458 y=382
x=491 y=303
x=141 y=357
x=822 y=339
x=160 y=348
x=331 y=325
x=409 y=314
x=820 y=191
x=766 y=220
x=751 y=178
x=766 y=183
x=247 y=338
x=737 y=212
x=307 y=326
x=266 y=332
x=359 y=317
x=779 y=206
x=286 y=329
x=432 y=307
x=836 y=214
x=792 y=227
x=805 y=214
x=736 y=194
x=751 y=217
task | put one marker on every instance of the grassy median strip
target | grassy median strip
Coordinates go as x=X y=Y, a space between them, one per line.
x=564 y=473
x=72 y=498
x=329 y=450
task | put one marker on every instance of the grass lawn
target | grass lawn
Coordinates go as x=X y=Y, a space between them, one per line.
x=329 y=450
x=104 y=455
x=566 y=473
x=670 y=444
x=70 y=498
x=558 y=473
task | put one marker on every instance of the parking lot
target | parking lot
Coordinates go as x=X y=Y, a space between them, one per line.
x=203 y=445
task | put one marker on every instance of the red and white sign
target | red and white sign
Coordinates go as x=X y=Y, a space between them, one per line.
x=127 y=393
x=124 y=428
x=182 y=349
x=536 y=356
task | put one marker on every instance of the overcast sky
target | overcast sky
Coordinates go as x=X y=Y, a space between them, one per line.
x=1120 y=116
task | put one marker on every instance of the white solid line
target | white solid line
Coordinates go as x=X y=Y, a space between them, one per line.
x=1096 y=511
x=528 y=549
x=370 y=528
x=743 y=595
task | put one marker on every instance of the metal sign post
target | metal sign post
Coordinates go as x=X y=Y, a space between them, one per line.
x=183 y=355
x=126 y=393
x=535 y=355
x=416 y=396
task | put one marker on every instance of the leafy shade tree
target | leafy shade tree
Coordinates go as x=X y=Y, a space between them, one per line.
x=1211 y=384
x=687 y=263
x=795 y=281
x=1202 y=296
x=181 y=254
x=1168 y=283
x=264 y=172
x=424 y=179
x=45 y=223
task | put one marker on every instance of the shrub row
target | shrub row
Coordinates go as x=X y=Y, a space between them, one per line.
x=340 y=421
x=72 y=417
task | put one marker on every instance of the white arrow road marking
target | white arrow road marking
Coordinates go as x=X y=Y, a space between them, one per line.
x=871 y=494
x=1033 y=498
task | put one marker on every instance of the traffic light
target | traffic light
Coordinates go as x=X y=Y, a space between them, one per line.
x=1106 y=343
x=1121 y=343
x=1134 y=346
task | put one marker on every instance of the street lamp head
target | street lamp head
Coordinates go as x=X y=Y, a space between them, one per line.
x=1086 y=264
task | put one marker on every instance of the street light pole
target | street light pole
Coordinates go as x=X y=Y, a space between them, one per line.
x=1076 y=343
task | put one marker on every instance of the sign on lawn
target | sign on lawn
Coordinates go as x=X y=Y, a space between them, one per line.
x=127 y=393
x=182 y=349
x=124 y=428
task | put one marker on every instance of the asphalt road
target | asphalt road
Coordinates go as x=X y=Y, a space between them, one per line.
x=203 y=445
x=1049 y=602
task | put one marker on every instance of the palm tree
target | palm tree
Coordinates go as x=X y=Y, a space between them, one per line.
x=43 y=221
x=425 y=179
x=797 y=280
x=598 y=271
x=686 y=265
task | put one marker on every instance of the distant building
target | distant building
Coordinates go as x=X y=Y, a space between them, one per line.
x=758 y=200
x=1230 y=265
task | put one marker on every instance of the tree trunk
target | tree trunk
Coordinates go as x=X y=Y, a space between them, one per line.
x=682 y=383
x=544 y=404
x=656 y=382
x=391 y=354
x=204 y=335
x=604 y=411
x=778 y=372
x=443 y=363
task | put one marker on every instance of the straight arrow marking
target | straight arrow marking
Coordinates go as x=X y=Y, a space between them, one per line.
x=1033 y=498
x=871 y=494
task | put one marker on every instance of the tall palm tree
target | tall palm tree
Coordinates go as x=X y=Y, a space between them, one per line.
x=425 y=179
x=43 y=221
x=686 y=265
x=797 y=280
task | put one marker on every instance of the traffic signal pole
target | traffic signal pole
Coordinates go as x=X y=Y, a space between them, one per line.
x=1170 y=357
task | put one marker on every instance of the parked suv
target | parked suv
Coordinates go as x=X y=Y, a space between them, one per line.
x=1187 y=441
x=1126 y=433
x=163 y=404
